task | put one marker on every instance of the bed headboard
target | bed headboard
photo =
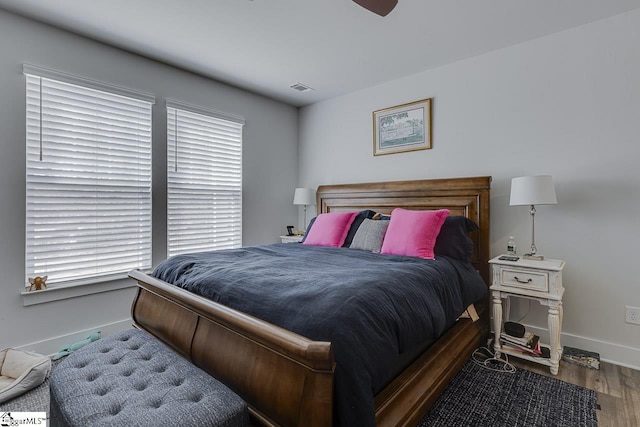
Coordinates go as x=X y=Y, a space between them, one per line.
x=462 y=196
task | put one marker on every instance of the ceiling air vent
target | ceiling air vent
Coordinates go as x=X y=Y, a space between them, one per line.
x=300 y=87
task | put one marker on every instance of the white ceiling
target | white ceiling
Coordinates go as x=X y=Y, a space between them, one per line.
x=333 y=46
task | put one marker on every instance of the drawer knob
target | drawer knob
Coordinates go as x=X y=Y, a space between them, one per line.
x=523 y=281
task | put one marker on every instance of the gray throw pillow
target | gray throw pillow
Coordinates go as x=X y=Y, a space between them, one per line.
x=370 y=235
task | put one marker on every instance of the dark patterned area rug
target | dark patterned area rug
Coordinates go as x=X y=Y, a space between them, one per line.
x=481 y=397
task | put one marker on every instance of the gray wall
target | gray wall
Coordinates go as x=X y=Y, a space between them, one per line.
x=269 y=166
x=566 y=105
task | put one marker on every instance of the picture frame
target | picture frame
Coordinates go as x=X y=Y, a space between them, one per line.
x=402 y=128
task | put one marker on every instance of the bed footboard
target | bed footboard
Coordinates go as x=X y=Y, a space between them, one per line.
x=408 y=398
x=285 y=378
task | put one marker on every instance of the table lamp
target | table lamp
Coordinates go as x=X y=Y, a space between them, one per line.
x=304 y=196
x=533 y=190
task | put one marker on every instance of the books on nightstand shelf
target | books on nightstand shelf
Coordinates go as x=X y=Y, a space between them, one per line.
x=527 y=340
x=534 y=350
x=528 y=344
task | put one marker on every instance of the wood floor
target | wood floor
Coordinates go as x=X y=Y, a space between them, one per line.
x=618 y=389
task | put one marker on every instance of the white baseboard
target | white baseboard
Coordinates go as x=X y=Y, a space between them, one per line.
x=609 y=352
x=53 y=345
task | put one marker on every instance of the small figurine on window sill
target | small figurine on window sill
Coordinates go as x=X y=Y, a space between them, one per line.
x=38 y=283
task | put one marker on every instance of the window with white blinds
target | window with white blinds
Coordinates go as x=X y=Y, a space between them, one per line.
x=88 y=202
x=204 y=180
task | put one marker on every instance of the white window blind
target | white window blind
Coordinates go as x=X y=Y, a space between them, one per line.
x=88 y=204
x=204 y=180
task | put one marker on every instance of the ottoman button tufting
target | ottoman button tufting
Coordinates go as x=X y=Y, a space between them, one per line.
x=102 y=392
x=140 y=386
x=92 y=377
x=153 y=394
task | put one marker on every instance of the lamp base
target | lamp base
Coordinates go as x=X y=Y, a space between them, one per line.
x=533 y=257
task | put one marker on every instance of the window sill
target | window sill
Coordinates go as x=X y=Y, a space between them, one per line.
x=73 y=291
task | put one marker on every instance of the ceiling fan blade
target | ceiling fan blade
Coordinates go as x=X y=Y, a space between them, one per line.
x=380 y=7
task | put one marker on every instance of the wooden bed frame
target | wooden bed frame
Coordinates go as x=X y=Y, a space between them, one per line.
x=287 y=379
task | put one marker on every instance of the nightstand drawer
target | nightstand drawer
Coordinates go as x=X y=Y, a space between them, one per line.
x=524 y=279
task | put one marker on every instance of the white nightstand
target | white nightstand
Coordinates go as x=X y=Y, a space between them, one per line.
x=291 y=239
x=536 y=280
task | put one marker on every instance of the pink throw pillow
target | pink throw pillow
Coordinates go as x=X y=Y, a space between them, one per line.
x=330 y=229
x=413 y=233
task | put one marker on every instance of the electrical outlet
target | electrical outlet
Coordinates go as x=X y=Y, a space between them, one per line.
x=632 y=315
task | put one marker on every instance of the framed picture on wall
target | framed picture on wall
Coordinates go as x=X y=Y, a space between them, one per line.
x=405 y=127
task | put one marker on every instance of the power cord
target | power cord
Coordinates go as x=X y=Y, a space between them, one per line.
x=485 y=358
x=527 y=313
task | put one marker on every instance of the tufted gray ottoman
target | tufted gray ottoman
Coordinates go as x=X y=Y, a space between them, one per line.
x=132 y=379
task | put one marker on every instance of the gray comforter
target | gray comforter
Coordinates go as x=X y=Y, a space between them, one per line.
x=371 y=307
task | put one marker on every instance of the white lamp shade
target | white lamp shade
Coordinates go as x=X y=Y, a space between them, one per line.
x=533 y=190
x=304 y=196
